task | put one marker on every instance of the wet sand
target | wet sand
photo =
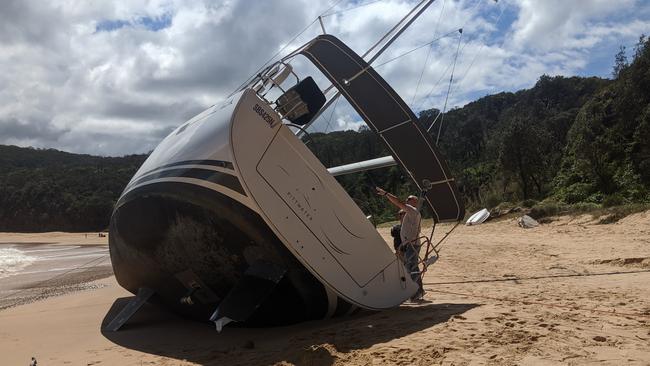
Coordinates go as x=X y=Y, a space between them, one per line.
x=570 y=292
x=36 y=266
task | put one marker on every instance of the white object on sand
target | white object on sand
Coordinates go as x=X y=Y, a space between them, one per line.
x=478 y=218
x=527 y=222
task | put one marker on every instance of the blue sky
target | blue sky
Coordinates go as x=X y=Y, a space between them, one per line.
x=154 y=23
x=114 y=77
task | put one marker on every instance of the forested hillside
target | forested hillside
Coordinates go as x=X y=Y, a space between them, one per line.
x=607 y=158
x=508 y=147
x=42 y=190
x=569 y=140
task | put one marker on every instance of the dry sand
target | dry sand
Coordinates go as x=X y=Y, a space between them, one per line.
x=569 y=292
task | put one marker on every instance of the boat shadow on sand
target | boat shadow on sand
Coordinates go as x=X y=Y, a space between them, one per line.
x=155 y=331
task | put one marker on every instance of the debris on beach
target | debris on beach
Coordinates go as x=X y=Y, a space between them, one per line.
x=478 y=217
x=527 y=222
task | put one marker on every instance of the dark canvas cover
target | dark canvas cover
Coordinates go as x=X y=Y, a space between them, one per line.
x=389 y=116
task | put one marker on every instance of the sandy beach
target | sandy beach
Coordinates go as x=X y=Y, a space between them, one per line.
x=569 y=292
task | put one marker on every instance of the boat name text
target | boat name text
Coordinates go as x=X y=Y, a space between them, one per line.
x=264 y=114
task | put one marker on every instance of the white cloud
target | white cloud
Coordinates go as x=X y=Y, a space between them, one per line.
x=68 y=86
x=348 y=122
x=549 y=24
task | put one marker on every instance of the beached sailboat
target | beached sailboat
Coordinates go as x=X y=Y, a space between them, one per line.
x=233 y=218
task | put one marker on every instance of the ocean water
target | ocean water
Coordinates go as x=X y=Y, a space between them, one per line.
x=21 y=259
x=13 y=260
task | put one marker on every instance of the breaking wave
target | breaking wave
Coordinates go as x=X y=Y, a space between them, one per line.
x=13 y=260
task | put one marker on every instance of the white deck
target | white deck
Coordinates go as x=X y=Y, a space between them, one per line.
x=311 y=213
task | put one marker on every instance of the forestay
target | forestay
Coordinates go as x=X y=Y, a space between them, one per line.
x=389 y=116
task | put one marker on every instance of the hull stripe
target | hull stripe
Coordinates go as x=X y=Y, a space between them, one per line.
x=227 y=180
x=199 y=182
x=218 y=163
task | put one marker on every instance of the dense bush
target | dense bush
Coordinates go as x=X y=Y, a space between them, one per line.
x=545 y=209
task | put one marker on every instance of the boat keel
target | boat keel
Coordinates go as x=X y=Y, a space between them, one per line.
x=258 y=282
x=130 y=309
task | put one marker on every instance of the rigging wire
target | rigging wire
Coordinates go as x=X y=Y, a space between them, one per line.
x=424 y=99
x=496 y=23
x=331 y=115
x=451 y=81
x=274 y=56
x=583 y=328
x=533 y=278
x=394 y=32
x=424 y=67
x=456 y=86
x=416 y=48
x=433 y=88
x=285 y=47
x=438 y=82
x=426 y=60
x=451 y=87
x=423 y=5
x=551 y=305
x=348 y=9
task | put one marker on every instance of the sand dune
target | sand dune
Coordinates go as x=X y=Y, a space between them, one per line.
x=569 y=292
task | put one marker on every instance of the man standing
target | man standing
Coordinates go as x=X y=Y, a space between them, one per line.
x=410 y=235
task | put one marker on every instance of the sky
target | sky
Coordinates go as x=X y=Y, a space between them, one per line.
x=115 y=77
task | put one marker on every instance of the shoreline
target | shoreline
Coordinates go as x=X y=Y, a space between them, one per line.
x=69 y=282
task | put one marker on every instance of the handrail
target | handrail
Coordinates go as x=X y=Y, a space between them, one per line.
x=422 y=260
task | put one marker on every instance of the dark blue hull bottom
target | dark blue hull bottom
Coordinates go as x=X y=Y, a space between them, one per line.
x=187 y=241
